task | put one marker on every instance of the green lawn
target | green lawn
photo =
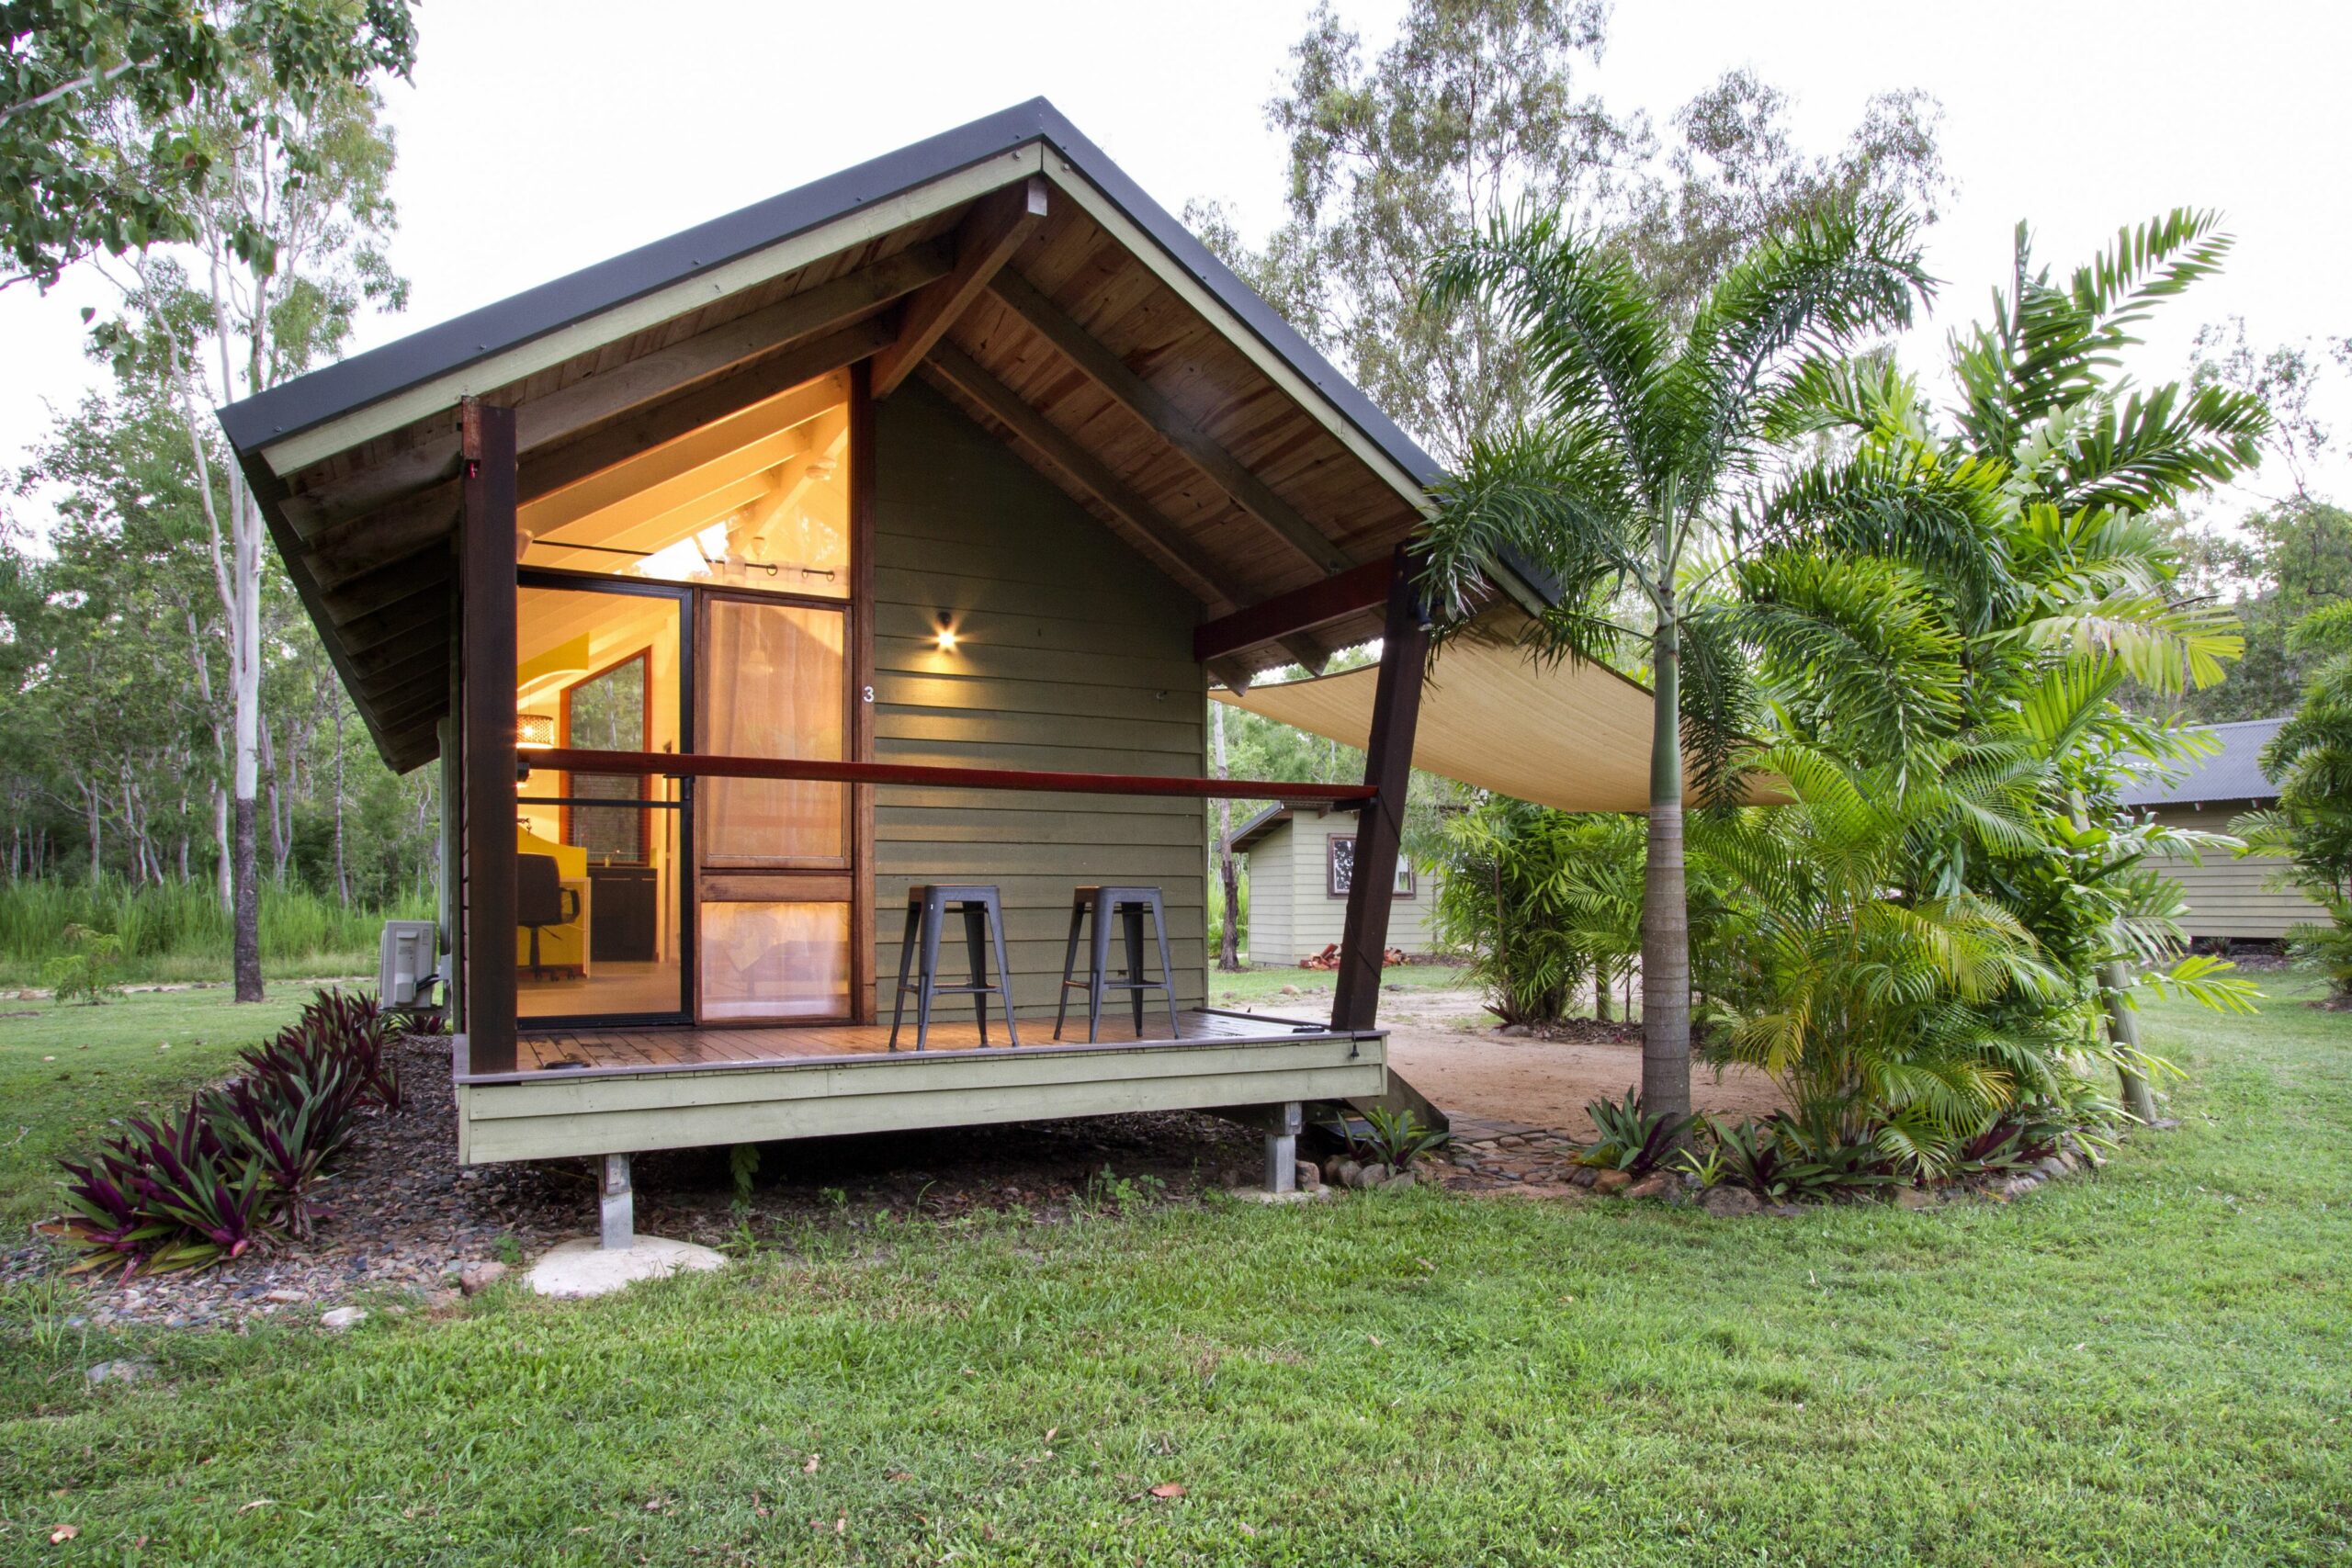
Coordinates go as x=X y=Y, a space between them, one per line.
x=66 y=1071
x=1263 y=988
x=2148 y=1367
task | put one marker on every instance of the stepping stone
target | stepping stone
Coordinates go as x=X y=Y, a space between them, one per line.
x=583 y=1267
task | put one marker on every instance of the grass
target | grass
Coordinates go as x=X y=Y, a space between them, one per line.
x=2147 y=1367
x=179 y=932
x=66 y=1071
x=1264 y=986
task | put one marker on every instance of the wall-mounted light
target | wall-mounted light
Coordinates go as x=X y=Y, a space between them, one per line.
x=535 y=729
x=947 y=637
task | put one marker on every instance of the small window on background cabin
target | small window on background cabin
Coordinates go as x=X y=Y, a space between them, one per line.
x=758 y=500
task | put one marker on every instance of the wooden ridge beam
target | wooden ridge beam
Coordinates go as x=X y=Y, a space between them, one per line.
x=990 y=233
x=1147 y=404
x=1302 y=609
x=571 y=410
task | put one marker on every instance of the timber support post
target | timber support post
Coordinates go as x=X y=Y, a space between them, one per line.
x=486 y=717
x=1282 y=1127
x=1388 y=769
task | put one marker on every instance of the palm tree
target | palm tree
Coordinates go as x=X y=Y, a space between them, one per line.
x=1647 y=434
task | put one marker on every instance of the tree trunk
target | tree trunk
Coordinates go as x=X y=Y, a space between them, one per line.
x=341 y=876
x=2123 y=1029
x=1666 y=919
x=1229 y=950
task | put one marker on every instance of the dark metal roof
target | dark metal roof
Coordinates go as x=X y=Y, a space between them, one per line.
x=335 y=390
x=2232 y=774
x=1259 y=824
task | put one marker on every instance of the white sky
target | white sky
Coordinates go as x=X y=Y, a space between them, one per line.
x=540 y=138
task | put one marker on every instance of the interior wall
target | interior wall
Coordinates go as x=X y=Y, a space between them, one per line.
x=1072 y=652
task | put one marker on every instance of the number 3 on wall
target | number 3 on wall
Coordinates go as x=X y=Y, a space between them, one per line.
x=869 y=693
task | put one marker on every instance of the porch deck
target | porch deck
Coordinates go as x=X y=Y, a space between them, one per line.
x=574 y=1051
x=656 y=1089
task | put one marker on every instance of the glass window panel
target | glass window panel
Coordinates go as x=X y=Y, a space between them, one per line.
x=774 y=689
x=775 y=960
x=598 y=887
x=761 y=500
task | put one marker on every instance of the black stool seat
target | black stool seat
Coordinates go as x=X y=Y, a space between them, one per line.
x=1127 y=905
x=927 y=906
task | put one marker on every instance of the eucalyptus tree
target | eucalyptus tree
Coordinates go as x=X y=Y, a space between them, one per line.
x=1647 y=439
x=264 y=272
x=73 y=70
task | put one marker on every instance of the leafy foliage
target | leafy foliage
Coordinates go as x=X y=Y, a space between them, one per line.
x=86 y=972
x=70 y=69
x=241 y=1164
x=1398 y=1138
x=1631 y=1137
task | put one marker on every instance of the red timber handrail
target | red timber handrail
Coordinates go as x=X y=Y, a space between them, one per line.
x=697 y=764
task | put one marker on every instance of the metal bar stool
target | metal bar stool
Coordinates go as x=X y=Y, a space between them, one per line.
x=927 y=906
x=1129 y=905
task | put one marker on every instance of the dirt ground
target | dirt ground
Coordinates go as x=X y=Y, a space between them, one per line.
x=1445 y=1044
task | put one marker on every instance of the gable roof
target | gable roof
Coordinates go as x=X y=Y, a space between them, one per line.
x=1113 y=352
x=2232 y=774
x=307 y=402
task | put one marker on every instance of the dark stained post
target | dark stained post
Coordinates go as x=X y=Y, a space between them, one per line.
x=486 y=619
x=1388 y=768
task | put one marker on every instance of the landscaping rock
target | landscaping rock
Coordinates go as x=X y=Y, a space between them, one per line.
x=2050 y=1168
x=1913 y=1198
x=1346 y=1173
x=341 y=1318
x=475 y=1277
x=1786 y=1211
x=1722 y=1202
x=1373 y=1175
x=1308 y=1178
x=2014 y=1186
x=1661 y=1185
x=282 y=1297
x=119 y=1371
x=1584 y=1176
x=1607 y=1182
x=1516 y=1031
x=1398 y=1182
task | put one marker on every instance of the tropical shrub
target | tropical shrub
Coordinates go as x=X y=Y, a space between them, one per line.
x=1540 y=901
x=1397 y=1138
x=1630 y=1137
x=242 y=1162
x=86 y=972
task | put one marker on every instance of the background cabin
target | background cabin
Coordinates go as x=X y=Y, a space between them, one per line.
x=2230 y=899
x=1300 y=864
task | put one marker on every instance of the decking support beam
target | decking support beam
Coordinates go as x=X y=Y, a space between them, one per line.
x=1282 y=1147
x=1388 y=770
x=486 y=566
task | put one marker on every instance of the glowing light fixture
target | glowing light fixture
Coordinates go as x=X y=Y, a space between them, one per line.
x=535 y=729
x=946 y=638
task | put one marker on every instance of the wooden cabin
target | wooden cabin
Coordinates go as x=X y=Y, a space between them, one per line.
x=886 y=533
x=1302 y=871
x=2230 y=898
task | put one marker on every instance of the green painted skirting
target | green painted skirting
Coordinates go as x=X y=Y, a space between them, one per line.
x=553 y=1116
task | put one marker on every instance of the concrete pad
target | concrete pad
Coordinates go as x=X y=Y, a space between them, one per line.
x=575 y=1268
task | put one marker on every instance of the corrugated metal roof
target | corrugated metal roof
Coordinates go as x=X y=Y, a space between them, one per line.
x=2232 y=774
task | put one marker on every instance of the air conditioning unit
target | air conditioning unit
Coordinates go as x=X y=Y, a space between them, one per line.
x=408 y=967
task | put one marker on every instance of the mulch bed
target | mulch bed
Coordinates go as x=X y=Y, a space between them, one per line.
x=407 y=1217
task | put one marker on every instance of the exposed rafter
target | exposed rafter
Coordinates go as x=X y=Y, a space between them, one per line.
x=1144 y=401
x=984 y=241
x=1162 y=538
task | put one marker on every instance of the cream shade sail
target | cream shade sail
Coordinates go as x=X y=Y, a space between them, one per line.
x=1575 y=736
